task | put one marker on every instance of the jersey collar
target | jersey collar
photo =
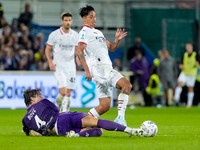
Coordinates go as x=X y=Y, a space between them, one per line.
x=62 y=32
x=86 y=25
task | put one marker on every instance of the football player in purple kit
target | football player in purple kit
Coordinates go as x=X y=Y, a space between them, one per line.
x=44 y=118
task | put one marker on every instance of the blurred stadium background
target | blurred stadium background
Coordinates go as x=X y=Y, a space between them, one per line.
x=160 y=23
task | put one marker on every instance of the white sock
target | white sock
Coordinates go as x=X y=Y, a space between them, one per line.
x=65 y=104
x=76 y=135
x=178 y=91
x=122 y=103
x=59 y=100
x=190 y=98
x=93 y=113
x=127 y=129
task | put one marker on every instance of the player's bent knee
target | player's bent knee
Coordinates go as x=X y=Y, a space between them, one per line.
x=62 y=92
x=68 y=94
x=127 y=88
x=129 y=85
x=105 y=108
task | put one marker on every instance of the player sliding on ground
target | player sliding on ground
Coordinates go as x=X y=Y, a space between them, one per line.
x=45 y=119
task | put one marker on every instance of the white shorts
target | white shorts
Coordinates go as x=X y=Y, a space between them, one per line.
x=65 y=78
x=187 y=79
x=105 y=78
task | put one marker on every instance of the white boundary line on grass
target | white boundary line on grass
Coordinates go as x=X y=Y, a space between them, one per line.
x=178 y=135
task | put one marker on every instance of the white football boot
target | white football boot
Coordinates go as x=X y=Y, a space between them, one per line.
x=121 y=121
x=70 y=134
x=136 y=132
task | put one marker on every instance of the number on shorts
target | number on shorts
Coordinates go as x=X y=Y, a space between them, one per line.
x=72 y=80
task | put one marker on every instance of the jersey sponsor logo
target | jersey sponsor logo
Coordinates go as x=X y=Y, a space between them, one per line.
x=87 y=134
x=66 y=47
x=101 y=39
x=82 y=36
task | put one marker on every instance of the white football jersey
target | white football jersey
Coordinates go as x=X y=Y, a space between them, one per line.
x=96 y=51
x=63 y=48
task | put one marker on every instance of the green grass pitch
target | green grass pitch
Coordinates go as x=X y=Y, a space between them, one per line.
x=178 y=128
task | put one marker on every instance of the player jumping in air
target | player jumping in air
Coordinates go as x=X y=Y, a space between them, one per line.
x=92 y=52
x=44 y=118
x=63 y=42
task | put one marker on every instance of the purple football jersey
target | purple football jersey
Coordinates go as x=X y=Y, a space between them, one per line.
x=41 y=117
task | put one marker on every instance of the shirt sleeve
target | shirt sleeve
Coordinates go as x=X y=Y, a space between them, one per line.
x=83 y=37
x=51 y=39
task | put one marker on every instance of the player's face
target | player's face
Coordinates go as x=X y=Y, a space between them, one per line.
x=189 y=48
x=38 y=97
x=67 y=22
x=90 y=19
x=166 y=54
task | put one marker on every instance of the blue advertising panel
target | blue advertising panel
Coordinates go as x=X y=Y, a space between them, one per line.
x=12 y=87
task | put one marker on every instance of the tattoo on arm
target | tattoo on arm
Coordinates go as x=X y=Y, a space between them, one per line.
x=81 y=57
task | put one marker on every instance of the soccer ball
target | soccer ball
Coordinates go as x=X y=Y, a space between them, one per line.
x=150 y=128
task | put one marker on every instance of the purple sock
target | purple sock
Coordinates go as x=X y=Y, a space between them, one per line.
x=110 y=125
x=91 y=133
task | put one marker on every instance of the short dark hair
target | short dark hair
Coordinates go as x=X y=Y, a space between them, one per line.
x=30 y=93
x=84 y=11
x=66 y=14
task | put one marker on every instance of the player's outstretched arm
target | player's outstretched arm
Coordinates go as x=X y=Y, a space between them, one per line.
x=120 y=34
x=81 y=56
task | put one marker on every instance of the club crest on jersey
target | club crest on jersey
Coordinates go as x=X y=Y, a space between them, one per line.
x=83 y=37
x=101 y=38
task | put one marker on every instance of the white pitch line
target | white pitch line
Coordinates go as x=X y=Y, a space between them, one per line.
x=179 y=135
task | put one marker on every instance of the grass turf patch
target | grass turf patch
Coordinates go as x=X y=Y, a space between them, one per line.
x=178 y=128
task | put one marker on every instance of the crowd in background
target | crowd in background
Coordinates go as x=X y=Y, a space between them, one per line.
x=158 y=82
x=21 y=51
x=151 y=78
x=18 y=49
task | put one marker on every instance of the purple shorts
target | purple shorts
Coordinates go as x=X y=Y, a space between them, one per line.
x=68 y=121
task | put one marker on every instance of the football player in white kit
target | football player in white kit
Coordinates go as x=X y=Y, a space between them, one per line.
x=63 y=42
x=92 y=52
